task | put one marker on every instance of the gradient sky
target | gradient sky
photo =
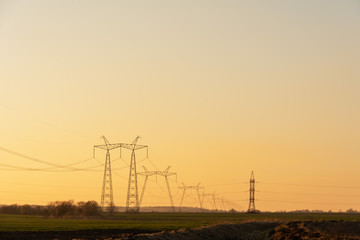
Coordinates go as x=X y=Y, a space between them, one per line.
x=215 y=88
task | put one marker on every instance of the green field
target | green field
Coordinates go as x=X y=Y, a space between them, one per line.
x=156 y=221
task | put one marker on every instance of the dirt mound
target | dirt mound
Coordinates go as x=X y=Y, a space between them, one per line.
x=91 y=234
x=317 y=230
x=249 y=230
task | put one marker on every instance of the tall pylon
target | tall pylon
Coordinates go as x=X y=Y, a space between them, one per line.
x=107 y=197
x=132 y=198
x=166 y=174
x=252 y=194
x=197 y=188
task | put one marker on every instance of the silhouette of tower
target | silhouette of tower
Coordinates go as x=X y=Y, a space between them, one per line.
x=197 y=188
x=211 y=197
x=107 y=197
x=252 y=194
x=132 y=199
x=165 y=174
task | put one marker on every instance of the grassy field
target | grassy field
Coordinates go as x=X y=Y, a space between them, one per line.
x=156 y=221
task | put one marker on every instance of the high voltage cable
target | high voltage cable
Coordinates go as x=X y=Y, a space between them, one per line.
x=35 y=159
x=45 y=185
x=54 y=166
x=327 y=203
x=311 y=194
x=27 y=193
x=17 y=168
x=308 y=185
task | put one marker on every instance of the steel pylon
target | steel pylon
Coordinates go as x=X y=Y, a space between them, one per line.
x=132 y=199
x=165 y=174
x=252 y=194
x=197 y=188
x=107 y=197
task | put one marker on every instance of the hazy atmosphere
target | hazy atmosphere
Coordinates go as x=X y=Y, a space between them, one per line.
x=216 y=89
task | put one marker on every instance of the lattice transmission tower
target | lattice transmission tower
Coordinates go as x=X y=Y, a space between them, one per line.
x=197 y=188
x=107 y=197
x=132 y=198
x=252 y=194
x=165 y=174
x=212 y=199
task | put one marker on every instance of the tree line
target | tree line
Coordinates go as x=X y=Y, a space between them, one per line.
x=57 y=209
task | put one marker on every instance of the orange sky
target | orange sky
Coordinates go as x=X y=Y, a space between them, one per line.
x=216 y=89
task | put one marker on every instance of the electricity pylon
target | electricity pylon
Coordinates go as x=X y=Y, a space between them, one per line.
x=252 y=194
x=212 y=195
x=165 y=173
x=147 y=174
x=132 y=199
x=222 y=204
x=107 y=197
x=197 y=188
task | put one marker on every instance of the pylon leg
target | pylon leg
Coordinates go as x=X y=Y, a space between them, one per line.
x=107 y=200
x=170 y=196
x=132 y=200
x=143 y=190
x=182 y=198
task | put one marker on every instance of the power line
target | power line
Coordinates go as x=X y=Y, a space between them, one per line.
x=308 y=185
x=45 y=185
x=17 y=168
x=41 y=161
x=327 y=203
x=311 y=194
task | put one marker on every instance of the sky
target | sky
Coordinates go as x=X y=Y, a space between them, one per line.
x=216 y=89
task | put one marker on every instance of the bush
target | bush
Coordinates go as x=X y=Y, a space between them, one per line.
x=61 y=209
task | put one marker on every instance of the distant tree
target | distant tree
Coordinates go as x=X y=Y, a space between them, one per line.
x=232 y=211
x=350 y=210
x=22 y=209
x=60 y=209
x=88 y=209
x=10 y=209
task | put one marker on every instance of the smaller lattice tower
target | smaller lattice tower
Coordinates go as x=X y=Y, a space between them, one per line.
x=107 y=197
x=252 y=194
x=165 y=174
x=197 y=188
x=211 y=197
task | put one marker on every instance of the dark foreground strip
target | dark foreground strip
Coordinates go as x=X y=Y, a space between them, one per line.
x=93 y=234
x=318 y=230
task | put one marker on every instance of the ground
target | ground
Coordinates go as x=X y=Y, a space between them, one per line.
x=185 y=226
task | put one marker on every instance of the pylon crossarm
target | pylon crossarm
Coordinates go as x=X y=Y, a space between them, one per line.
x=133 y=147
x=109 y=146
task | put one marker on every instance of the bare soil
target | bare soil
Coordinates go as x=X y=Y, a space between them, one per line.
x=317 y=230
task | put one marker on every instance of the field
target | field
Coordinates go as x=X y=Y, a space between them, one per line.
x=184 y=226
x=157 y=221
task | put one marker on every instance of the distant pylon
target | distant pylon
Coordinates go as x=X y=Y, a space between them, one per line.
x=165 y=173
x=252 y=194
x=132 y=199
x=107 y=197
x=212 y=199
x=197 y=188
